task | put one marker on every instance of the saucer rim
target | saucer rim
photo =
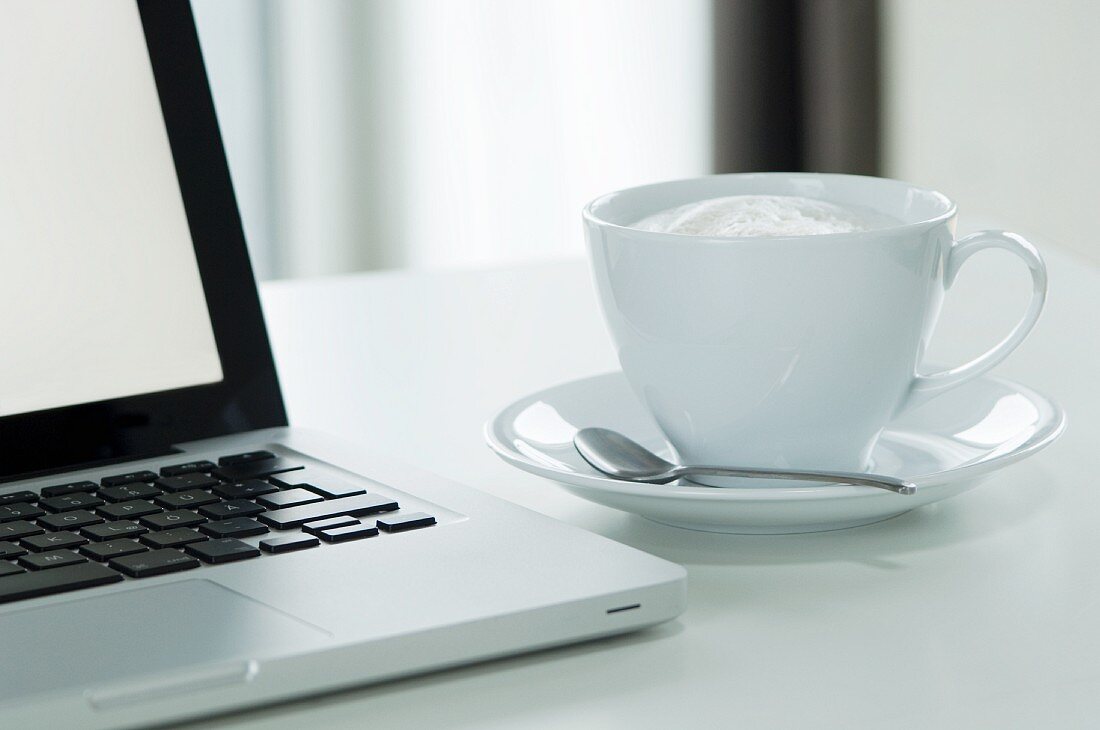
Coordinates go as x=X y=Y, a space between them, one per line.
x=830 y=491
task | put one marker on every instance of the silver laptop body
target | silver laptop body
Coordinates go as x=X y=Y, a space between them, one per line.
x=489 y=579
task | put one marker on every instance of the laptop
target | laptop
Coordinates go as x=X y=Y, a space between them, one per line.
x=169 y=547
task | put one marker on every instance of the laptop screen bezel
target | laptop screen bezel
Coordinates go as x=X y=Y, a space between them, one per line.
x=248 y=396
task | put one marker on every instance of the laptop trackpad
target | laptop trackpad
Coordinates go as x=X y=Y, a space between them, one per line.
x=192 y=633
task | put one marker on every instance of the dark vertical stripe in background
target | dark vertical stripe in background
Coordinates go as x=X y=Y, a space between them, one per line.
x=758 y=114
x=797 y=85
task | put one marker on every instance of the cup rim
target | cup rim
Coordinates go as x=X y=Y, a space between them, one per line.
x=951 y=209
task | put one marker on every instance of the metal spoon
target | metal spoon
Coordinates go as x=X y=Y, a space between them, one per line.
x=617 y=456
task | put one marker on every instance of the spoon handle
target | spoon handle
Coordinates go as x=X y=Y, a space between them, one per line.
x=898 y=486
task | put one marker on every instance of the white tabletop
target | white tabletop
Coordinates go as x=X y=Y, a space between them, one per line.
x=980 y=611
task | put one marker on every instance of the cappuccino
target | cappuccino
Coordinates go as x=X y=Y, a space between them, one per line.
x=763 y=215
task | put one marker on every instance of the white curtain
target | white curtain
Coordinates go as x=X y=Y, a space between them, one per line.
x=390 y=133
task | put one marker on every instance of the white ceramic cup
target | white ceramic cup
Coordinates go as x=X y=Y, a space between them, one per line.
x=786 y=351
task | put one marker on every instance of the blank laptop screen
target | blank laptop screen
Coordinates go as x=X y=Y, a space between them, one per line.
x=100 y=294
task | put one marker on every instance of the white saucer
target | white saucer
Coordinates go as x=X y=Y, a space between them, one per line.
x=947 y=446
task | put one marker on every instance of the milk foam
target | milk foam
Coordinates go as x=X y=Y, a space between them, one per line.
x=761 y=215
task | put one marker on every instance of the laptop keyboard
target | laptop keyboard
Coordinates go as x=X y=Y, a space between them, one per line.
x=141 y=524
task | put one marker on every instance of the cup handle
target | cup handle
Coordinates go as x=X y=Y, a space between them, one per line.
x=926 y=387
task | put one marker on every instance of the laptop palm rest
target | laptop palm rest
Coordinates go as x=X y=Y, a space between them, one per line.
x=171 y=638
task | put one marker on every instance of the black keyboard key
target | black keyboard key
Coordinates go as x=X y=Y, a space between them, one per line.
x=187 y=481
x=104 y=551
x=333 y=489
x=134 y=476
x=13 y=512
x=343 y=534
x=235 y=527
x=112 y=530
x=176 y=537
x=325 y=485
x=18 y=497
x=222 y=551
x=126 y=492
x=153 y=562
x=175 y=518
x=288 y=498
x=291 y=479
x=400 y=523
x=189 y=467
x=70 y=520
x=242 y=490
x=129 y=510
x=54 y=541
x=67 y=502
x=289 y=544
x=331 y=522
x=255 y=469
x=10 y=550
x=7 y=568
x=186 y=500
x=51 y=559
x=232 y=508
x=18 y=529
x=246 y=457
x=58 y=580
x=58 y=489
x=363 y=504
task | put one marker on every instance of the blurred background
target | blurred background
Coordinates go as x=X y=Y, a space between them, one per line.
x=367 y=134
